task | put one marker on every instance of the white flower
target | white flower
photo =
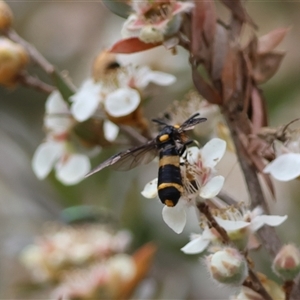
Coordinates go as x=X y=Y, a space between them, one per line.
x=70 y=167
x=252 y=220
x=164 y=19
x=118 y=93
x=198 y=181
x=55 y=152
x=285 y=167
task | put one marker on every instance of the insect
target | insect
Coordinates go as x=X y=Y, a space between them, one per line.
x=169 y=144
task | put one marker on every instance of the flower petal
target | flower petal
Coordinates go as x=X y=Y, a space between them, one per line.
x=44 y=158
x=195 y=246
x=55 y=104
x=174 y=217
x=86 y=100
x=122 y=102
x=285 y=167
x=212 y=152
x=73 y=170
x=111 y=130
x=156 y=77
x=212 y=187
x=193 y=155
x=230 y=225
x=58 y=124
x=150 y=189
x=270 y=220
x=58 y=118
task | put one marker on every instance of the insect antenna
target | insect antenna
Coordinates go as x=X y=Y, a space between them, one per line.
x=160 y=122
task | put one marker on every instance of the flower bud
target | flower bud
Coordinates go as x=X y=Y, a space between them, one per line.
x=287 y=262
x=104 y=63
x=6 y=16
x=227 y=266
x=151 y=34
x=13 y=58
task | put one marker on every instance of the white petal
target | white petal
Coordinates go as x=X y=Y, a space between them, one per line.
x=73 y=170
x=44 y=158
x=150 y=189
x=174 y=217
x=55 y=104
x=212 y=152
x=273 y=221
x=230 y=225
x=285 y=167
x=195 y=246
x=111 y=130
x=126 y=31
x=212 y=187
x=58 y=123
x=156 y=77
x=193 y=155
x=122 y=102
x=86 y=100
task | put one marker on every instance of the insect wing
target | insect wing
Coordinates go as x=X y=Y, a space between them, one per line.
x=190 y=123
x=130 y=158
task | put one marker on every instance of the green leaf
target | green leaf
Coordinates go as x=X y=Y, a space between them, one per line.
x=83 y=214
x=65 y=88
x=118 y=7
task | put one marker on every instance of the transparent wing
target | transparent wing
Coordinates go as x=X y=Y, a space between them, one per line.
x=130 y=158
x=190 y=123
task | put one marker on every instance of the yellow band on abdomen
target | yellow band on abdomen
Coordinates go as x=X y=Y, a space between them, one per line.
x=169 y=160
x=170 y=184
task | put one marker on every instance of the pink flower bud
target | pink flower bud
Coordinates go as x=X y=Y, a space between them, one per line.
x=287 y=262
x=227 y=266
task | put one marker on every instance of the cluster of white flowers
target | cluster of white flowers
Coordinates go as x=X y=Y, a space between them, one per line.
x=70 y=247
x=103 y=280
x=118 y=95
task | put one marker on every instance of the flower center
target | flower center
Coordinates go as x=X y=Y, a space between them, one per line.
x=159 y=12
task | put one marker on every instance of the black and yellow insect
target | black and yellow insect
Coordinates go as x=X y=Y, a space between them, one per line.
x=170 y=144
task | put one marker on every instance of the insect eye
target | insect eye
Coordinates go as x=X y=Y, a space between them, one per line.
x=164 y=138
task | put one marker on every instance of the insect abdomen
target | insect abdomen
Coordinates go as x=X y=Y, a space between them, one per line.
x=169 y=183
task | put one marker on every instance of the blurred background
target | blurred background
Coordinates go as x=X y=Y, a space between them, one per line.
x=70 y=34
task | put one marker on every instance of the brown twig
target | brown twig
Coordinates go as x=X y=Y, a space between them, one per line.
x=35 y=55
x=135 y=137
x=288 y=287
x=204 y=209
x=255 y=284
x=35 y=83
x=267 y=234
x=227 y=199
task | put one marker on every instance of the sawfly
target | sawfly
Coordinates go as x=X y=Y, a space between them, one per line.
x=169 y=144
